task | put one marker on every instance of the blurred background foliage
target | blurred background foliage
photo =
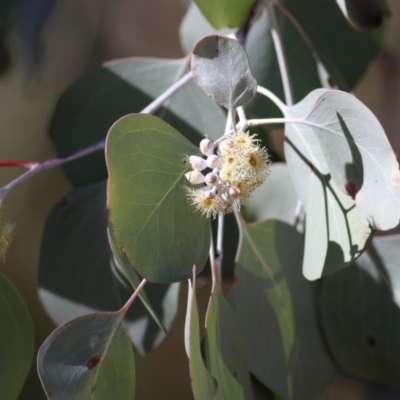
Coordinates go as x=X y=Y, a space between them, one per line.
x=45 y=45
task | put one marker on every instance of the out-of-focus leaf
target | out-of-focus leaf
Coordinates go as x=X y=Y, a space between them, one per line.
x=275 y=198
x=162 y=236
x=364 y=15
x=203 y=384
x=223 y=13
x=16 y=341
x=221 y=68
x=76 y=276
x=332 y=217
x=85 y=112
x=276 y=309
x=194 y=26
x=358 y=155
x=344 y=52
x=225 y=354
x=361 y=313
x=90 y=357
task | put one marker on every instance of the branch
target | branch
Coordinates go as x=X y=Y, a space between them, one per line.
x=280 y=54
x=34 y=167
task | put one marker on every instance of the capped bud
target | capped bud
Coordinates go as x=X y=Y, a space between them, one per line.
x=211 y=178
x=197 y=163
x=209 y=194
x=233 y=192
x=206 y=147
x=212 y=161
x=194 y=177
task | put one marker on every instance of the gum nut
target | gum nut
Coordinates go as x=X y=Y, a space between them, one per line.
x=194 y=177
x=212 y=161
x=211 y=178
x=197 y=163
x=206 y=147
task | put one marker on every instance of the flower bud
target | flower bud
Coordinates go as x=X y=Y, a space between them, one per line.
x=211 y=178
x=194 y=177
x=209 y=194
x=206 y=147
x=197 y=163
x=233 y=192
x=212 y=161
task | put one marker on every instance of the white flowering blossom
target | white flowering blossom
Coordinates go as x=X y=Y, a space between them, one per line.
x=238 y=168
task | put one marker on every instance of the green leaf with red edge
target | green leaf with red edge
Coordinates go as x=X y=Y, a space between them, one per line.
x=88 y=357
x=161 y=234
x=17 y=341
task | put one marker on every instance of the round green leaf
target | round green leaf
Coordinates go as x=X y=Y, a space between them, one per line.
x=225 y=12
x=17 y=342
x=162 y=236
x=77 y=271
x=361 y=313
x=276 y=309
x=88 y=357
x=221 y=68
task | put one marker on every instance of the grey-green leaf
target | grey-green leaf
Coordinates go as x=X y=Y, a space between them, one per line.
x=359 y=157
x=275 y=198
x=76 y=270
x=162 y=235
x=88 y=357
x=342 y=235
x=276 y=309
x=16 y=343
x=225 y=354
x=220 y=66
x=203 y=384
x=361 y=313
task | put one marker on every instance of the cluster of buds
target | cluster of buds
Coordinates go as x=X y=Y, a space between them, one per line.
x=238 y=168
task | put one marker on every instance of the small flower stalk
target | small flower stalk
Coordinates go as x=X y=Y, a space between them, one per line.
x=238 y=168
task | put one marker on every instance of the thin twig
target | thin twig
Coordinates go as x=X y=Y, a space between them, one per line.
x=239 y=221
x=274 y=98
x=213 y=266
x=220 y=247
x=280 y=54
x=34 y=167
x=242 y=118
x=135 y=294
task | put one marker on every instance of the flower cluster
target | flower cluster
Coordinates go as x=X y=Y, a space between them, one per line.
x=238 y=168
